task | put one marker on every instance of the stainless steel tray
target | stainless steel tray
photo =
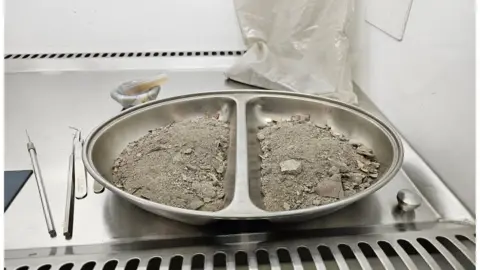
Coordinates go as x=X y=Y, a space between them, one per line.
x=245 y=111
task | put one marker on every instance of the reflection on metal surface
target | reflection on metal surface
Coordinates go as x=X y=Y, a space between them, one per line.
x=408 y=200
x=97 y=187
x=111 y=231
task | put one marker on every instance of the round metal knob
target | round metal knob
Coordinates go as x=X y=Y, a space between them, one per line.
x=408 y=200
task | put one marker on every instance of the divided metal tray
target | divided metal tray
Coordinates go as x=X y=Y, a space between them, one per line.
x=245 y=110
x=112 y=233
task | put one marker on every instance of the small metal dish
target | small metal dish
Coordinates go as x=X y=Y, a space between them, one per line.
x=136 y=92
x=245 y=110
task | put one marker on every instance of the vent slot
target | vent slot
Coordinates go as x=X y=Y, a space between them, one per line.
x=67 y=266
x=132 y=264
x=45 y=267
x=198 y=262
x=176 y=263
x=466 y=242
x=123 y=54
x=110 y=265
x=154 y=263
x=433 y=251
x=88 y=266
x=328 y=258
x=263 y=259
x=392 y=255
x=456 y=252
x=306 y=258
x=284 y=259
x=349 y=256
x=241 y=259
x=371 y=256
x=220 y=261
x=413 y=253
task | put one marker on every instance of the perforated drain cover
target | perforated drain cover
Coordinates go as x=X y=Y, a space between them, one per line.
x=432 y=249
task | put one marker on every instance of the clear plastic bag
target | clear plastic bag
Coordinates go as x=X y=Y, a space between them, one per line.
x=300 y=46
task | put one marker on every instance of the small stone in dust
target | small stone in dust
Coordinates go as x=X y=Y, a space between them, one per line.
x=357 y=177
x=362 y=150
x=329 y=188
x=195 y=204
x=291 y=166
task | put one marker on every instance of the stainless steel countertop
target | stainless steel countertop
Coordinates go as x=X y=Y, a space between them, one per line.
x=47 y=103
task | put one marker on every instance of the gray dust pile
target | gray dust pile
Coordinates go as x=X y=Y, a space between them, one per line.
x=305 y=165
x=181 y=165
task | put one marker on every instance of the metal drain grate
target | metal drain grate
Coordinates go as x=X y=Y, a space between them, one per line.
x=452 y=249
x=124 y=54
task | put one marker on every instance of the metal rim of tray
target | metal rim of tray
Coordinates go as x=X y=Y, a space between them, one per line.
x=393 y=136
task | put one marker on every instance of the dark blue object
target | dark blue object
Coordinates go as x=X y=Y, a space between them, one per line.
x=13 y=183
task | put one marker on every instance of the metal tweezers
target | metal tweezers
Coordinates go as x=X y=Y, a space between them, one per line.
x=69 y=206
x=79 y=169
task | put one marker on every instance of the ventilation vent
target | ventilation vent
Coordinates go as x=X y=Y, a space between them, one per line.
x=368 y=252
x=124 y=55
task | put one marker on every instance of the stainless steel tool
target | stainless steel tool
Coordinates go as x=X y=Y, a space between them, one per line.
x=69 y=206
x=41 y=187
x=81 y=188
x=245 y=110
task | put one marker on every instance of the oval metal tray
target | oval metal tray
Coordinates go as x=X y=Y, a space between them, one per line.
x=245 y=110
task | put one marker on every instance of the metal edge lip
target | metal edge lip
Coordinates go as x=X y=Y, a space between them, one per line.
x=389 y=174
x=86 y=156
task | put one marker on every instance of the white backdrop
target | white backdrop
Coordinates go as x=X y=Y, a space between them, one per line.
x=51 y=26
x=428 y=77
x=426 y=84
